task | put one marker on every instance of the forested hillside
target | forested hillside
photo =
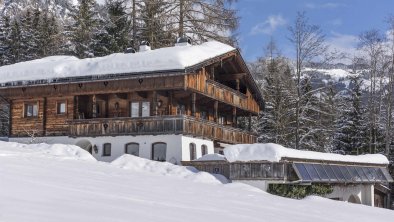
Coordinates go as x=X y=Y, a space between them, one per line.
x=31 y=29
x=315 y=103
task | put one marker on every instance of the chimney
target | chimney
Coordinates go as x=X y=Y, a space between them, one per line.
x=144 y=46
x=183 y=41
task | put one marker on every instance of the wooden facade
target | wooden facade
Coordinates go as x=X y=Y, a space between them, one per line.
x=205 y=102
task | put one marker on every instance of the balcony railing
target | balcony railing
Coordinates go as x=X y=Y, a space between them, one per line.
x=157 y=126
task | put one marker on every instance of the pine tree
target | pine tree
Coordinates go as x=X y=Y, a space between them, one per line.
x=5 y=30
x=116 y=28
x=153 y=26
x=83 y=27
x=202 y=19
x=351 y=132
x=14 y=42
x=29 y=43
x=274 y=75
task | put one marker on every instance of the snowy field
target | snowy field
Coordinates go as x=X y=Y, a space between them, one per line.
x=64 y=183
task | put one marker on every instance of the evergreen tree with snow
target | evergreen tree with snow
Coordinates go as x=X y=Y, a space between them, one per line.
x=29 y=41
x=153 y=26
x=351 y=130
x=15 y=43
x=5 y=29
x=114 y=36
x=273 y=74
x=82 y=29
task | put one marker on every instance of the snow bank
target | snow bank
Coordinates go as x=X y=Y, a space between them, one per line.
x=170 y=58
x=274 y=152
x=138 y=164
x=42 y=188
x=59 y=151
x=211 y=157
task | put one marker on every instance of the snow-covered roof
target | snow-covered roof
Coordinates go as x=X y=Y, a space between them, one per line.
x=275 y=153
x=163 y=59
x=211 y=157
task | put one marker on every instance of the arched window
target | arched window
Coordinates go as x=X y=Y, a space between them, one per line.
x=107 y=149
x=133 y=149
x=204 y=150
x=159 y=151
x=192 y=150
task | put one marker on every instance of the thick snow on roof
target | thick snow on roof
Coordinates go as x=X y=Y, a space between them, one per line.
x=274 y=152
x=42 y=188
x=163 y=59
x=211 y=157
x=58 y=151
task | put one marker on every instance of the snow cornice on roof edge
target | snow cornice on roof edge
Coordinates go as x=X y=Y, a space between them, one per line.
x=66 y=69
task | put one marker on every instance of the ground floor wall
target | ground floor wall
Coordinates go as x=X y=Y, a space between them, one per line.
x=361 y=194
x=177 y=146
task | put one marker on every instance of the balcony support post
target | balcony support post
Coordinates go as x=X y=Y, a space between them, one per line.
x=215 y=111
x=94 y=106
x=170 y=102
x=234 y=116
x=237 y=84
x=194 y=104
x=154 y=102
x=250 y=122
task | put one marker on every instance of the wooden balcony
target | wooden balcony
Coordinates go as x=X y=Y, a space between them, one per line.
x=159 y=126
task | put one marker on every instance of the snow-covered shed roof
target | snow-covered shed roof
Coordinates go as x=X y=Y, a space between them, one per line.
x=169 y=59
x=275 y=153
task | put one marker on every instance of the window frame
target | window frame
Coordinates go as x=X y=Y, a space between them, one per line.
x=204 y=149
x=140 y=109
x=192 y=151
x=153 y=148
x=104 y=149
x=132 y=143
x=25 y=109
x=65 y=107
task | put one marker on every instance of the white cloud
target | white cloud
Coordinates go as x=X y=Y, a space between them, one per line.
x=344 y=43
x=328 y=5
x=269 y=25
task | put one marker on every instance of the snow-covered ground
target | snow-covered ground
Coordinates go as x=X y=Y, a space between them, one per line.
x=62 y=183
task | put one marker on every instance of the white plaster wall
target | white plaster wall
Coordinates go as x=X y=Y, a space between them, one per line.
x=364 y=192
x=177 y=145
x=199 y=142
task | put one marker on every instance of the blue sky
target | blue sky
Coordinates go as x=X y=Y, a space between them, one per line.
x=341 y=21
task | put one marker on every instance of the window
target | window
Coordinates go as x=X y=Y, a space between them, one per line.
x=204 y=150
x=159 y=151
x=31 y=110
x=61 y=107
x=145 y=109
x=139 y=109
x=132 y=149
x=192 y=150
x=107 y=149
x=135 y=109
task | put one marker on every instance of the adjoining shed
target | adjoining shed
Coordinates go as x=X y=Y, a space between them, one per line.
x=360 y=179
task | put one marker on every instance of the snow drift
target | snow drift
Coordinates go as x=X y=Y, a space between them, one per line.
x=46 y=184
x=274 y=152
x=59 y=151
x=138 y=164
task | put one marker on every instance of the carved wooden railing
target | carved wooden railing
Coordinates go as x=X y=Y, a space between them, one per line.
x=158 y=126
